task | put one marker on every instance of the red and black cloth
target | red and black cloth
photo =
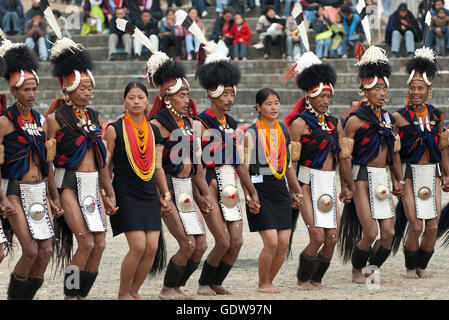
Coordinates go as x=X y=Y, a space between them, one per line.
x=415 y=141
x=318 y=143
x=369 y=137
x=20 y=146
x=73 y=142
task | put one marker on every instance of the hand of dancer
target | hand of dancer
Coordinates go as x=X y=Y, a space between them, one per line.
x=110 y=205
x=204 y=202
x=345 y=195
x=167 y=207
x=6 y=208
x=55 y=206
x=398 y=189
x=253 y=203
x=445 y=184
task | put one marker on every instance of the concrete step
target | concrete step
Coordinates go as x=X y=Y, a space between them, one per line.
x=247 y=96
x=251 y=80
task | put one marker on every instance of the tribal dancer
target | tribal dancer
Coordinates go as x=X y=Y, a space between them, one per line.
x=267 y=155
x=315 y=147
x=3 y=198
x=222 y=161
x=80 y=162
x=171 y=113
x=27 y=178
x=421 y=128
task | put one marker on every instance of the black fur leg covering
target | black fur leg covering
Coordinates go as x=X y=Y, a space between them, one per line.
x=221 y=274
x=424 y=257
x=72 y=282
x=207 y=274
x=173 y=274
x=379 y=257
x=321 y=266
x=191 y=268
x=306 y=267
x=34 y=284
x=360 y=257
x=87 y=280
x=411 y=259
x=17 y=288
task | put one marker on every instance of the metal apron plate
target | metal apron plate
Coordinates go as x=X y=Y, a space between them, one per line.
x=424 y=190
x=380 y=200
x=186 y=206
x=89 y=200
x=35 y=207
x=322 y=187
x=225 y=180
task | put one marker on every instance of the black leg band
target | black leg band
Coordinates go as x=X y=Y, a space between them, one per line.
x=411 y=259
x=71 y=284
x=380 y=256
x=321 y=266
x=360 y=257
x=34 y=284
x=207 y=274
x=221 y=274
x=306 y=267
x=173 y=274
x=17 y=288
x=191 y=268
x=423 y=259
x=87 y=280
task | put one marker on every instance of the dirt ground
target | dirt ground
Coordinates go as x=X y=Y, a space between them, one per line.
x=243 y=278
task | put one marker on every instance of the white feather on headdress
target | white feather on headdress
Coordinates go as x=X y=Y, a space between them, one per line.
x=8 y=45
x=425 y=53
x=63 y=45
x=307 y=60
x=215 y=57
x=156 y=60
x=373 y=55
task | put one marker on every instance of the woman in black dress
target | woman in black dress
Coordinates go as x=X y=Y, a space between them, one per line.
x=267 y=153
x=132 y=142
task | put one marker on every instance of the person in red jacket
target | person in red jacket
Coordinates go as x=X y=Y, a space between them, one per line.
x=242 y=36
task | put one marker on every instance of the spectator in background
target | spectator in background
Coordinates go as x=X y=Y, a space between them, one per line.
x=338 y=33
x=115 y=35
x=309 y=7
x=155 y=9
x=242 y=35
x=353 y=29
x=323 y=39
x=439 y=4
x=148 y=25
x=200 y=6
x=293 y=41
x=288 y=8
x=222 y=28
x=439 y=29
x=62 y=23
x=12 y=20
x=35 y=34
x=170 y=34
x=402 y=25
x=177 y=2
x=33 y=10
x=192 y=43
x=271 y=29
x=97 y=14
x=135 y=8
x=274 y=4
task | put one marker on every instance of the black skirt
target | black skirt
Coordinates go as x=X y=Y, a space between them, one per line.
x=275 y=206
x=138 y=202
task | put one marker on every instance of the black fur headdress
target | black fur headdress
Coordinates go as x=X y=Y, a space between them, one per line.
x=215 y=73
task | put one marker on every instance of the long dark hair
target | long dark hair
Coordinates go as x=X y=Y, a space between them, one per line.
x=135 y=84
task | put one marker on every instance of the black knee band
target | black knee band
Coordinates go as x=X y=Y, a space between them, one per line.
x=321 y=266
x=306 y=267
x=191 y=268
x=71 y=284
x=411 y=259
x=17 y=288
x=221 y=274
x=207 y=274
x=423 y=258
x=379 y=257
x=359 y=257
x=34 y=284
x=87 y=280
x=173 y=274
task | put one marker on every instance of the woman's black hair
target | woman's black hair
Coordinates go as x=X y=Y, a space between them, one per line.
x=267 y=8
x=135 y=84
x=226 y=11
x=263 y=94
x=192 y=8
x=168 y=10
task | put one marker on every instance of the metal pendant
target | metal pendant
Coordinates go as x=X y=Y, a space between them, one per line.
x=36 y=212
x=185 y=202
x=325 y=203
x=89 y=204
x=382 y=192
x=230 y=196
x=424 y=193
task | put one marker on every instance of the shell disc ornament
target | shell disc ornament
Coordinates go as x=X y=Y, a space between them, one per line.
x=36 y=212
x=230 y=196
x=325 y=203
x=382 y=192
x=185 y=202
x=424 y=193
